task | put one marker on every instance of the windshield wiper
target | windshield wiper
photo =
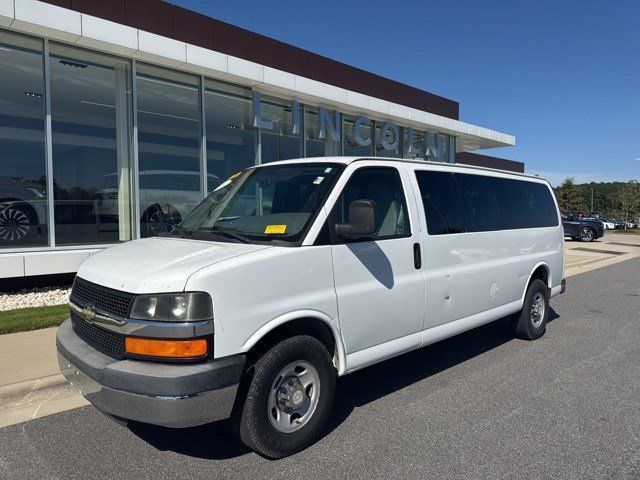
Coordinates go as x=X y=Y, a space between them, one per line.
x=226 y=232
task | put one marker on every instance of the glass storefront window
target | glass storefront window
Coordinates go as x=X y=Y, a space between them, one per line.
x=316 y=147
x=91 y=143
x=229 y=129
x=437 y=147
x=392 y=136
x=23 y=192
x=417 y=144
x=351 y=146
x=280 y=143
x=169 y=137
x=90 y=113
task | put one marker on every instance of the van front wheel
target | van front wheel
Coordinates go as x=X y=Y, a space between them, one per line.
x=287 y=397
x=532 y=320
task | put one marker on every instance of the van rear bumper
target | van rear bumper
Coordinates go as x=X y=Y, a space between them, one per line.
x=170 y=395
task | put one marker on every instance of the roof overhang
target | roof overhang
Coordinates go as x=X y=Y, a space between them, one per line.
x=57 y=23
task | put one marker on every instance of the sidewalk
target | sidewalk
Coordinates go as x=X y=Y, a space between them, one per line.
x=613 y=248
x=30 y=382
x=31 y=385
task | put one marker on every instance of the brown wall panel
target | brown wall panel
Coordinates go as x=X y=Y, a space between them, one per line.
x=368 y=83
x=389 y=89
x=419 y=99
x=152 y=16
x=265 y=50
x=113 y=10
x=60 y=3
x=479 y=160
x=443 y=106
x=322 y=69
x=346 y=76
x=231 y=40
x=295 y=60
x=193 y=28
x=405 y=95
x=159 y=22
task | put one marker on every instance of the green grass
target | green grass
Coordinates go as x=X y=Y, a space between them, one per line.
x=33 y=318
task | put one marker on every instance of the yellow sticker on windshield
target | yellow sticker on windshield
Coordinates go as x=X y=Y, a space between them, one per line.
x=274 y=229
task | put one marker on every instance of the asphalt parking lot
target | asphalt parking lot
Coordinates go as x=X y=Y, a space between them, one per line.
x=479 y=405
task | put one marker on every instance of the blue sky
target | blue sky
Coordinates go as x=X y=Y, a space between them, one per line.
x=562 y=76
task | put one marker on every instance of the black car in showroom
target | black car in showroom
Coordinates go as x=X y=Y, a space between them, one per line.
x=582 y=229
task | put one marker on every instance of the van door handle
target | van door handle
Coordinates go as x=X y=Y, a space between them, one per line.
x=417 y=256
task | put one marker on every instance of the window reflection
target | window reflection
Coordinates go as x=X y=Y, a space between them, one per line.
x=416 y=142
x=230 y=132
x=437 y=147
x=90 y=127
x=169 y=136
x=280 y=143
x=392 y=136
x=351 y=147
x=317 y=147
x=23 y=198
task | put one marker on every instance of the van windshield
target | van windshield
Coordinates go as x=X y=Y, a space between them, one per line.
x=263 y=204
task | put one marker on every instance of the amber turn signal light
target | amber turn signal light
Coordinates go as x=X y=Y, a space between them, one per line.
x=166 y=348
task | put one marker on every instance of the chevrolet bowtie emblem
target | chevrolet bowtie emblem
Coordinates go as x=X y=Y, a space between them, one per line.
x=89 y=314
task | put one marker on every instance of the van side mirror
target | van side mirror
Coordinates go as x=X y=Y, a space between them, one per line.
x=362 y=220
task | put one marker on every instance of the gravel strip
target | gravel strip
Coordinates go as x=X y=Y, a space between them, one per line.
x=34 y=297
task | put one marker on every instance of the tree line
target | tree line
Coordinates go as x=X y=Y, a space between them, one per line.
x=613 y=199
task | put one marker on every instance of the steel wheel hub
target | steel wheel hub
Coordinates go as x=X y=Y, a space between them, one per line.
x=537 y=309
x=293 y=397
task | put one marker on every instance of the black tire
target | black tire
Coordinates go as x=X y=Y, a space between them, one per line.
x=586 y=234
x=525 y=325
x=251 y=413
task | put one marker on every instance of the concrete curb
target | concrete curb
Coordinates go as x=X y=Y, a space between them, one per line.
x=582 y=263
x=20 y=392
x=31 y=399
x=587 y=266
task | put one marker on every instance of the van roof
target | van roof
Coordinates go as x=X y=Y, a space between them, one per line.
x=349 y=160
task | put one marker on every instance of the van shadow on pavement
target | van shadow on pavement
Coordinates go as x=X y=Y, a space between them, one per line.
x=218 y=441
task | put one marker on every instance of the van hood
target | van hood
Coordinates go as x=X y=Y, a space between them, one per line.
x=156 y=265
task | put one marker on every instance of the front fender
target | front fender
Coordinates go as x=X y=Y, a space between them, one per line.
x=288 y=317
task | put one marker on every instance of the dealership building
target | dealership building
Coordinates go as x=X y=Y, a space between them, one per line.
x=117 y=117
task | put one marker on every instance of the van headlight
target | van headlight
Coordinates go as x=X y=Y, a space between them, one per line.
x=173 y=307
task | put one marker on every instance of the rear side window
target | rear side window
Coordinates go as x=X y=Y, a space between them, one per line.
x=525 y=204
x=478 y=193
x=442 y=203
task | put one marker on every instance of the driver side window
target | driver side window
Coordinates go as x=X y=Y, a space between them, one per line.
x=384 y=187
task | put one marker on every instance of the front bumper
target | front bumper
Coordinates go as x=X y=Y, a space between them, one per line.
x=170 y=395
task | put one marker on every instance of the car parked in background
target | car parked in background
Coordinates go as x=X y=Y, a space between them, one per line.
x=618 y=223
x=23 y=211
x=608 y=223
x=166 y=196
x=582 y=229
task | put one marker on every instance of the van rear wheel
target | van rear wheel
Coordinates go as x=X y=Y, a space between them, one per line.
x=286 y=397
x=531 y=323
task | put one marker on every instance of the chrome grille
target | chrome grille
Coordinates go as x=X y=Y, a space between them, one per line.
x=102 y=298
x=106 y=341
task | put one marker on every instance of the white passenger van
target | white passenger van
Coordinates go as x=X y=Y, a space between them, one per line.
x=293 y=273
